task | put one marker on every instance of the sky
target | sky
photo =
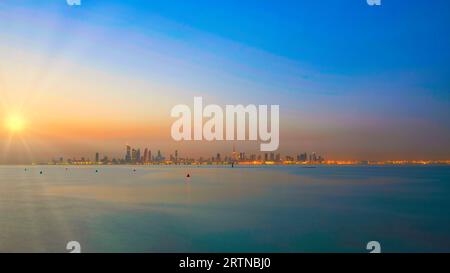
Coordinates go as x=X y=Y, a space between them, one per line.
x=353 y=81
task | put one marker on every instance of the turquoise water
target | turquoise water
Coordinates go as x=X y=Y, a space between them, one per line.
x=219 y=209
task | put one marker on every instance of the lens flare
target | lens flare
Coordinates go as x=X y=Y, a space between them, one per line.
x=15 y=124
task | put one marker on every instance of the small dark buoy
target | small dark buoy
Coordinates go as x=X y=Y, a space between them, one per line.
x=40 y=172
x=25 y=169
x=188 y=175
x=96 y=171
x=134 y=170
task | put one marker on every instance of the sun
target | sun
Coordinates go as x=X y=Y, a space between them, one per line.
x=15 y=124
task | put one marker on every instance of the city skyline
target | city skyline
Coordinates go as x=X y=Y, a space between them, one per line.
x=145 y=156
x=133 y=155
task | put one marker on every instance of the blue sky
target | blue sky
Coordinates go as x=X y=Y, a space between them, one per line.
x=343 y=36
x=333 y=35
x=345 y=74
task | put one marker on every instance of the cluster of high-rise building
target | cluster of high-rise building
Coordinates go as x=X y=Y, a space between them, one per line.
x=136 y=157
x=313 y=157
x=276 y=157
x=145 y=156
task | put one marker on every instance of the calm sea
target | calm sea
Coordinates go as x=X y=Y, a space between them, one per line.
x=220 y=209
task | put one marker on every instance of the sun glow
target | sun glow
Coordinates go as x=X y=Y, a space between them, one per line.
x=15 y=124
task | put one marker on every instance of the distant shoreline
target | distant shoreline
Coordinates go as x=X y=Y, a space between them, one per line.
x=305 y=165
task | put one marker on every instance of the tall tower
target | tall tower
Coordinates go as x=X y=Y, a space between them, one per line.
x=128 y=154
x=145 y=155
x=133 y=155
x=138 y=155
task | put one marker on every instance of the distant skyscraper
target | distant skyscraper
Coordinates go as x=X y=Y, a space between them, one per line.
x=128 y=155
x=234 y=155
x=133 y=155
x=138 y=155
x=159 y=157
x=302 y=157
x=145 y=155
x=97 y=157
x=314 y=157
